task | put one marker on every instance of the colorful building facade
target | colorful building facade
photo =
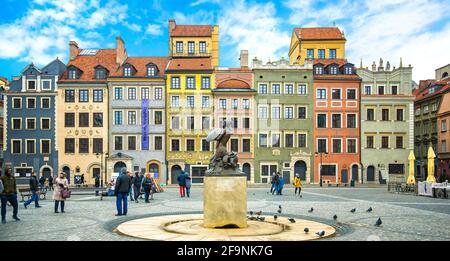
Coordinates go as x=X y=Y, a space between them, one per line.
x=3 y=83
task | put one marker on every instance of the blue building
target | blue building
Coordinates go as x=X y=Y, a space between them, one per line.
x=30 y=122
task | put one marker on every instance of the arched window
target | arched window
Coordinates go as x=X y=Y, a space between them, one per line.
x=445 y=75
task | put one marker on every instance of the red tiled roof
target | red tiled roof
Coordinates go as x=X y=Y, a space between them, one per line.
x=422 y=94
x=190 y=64
x=319 y=33
x=192 y=31
x=327 y=62
x=233 y=84
x=87 y=63
x=140 y=64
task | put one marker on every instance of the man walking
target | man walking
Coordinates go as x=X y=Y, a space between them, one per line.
x=137 y=181
x=9 y=194
x=97 y=183
x=34 y=187
x=182 y=183
x=273 y=181
x=122 y=188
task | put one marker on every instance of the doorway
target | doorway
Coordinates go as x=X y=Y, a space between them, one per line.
x=246 y=168
x=300 y=168
x=371 y=173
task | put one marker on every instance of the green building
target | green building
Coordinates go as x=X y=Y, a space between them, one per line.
x=284 y=120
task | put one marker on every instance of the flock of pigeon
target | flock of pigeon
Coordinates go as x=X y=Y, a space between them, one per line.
x=320 y=233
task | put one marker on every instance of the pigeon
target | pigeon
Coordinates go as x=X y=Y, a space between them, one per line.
x=335 y=217
x=369 y=209
x=353 y=210
x=378 y=223
x=252 y=218
x=311 y=210
x=306 y=230
x=261 y=219
x=291 y=220
x=321 y=233
x=279 y=206
x=279 y=211
x=258 y=213
x=251 y=213
x=275 y=217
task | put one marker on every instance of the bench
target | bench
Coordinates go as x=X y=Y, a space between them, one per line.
x=88 y=190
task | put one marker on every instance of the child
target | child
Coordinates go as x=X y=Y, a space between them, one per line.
x=280 y=186
x=298 y=184
x=188 y=186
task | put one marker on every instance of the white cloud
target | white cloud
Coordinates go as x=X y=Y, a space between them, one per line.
x=199 y=2
x=133 y=27
x=154 y=30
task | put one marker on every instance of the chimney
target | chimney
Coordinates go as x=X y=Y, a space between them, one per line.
x=172 y=25
x=74 y=50
x=244 y=58
x=121 y=52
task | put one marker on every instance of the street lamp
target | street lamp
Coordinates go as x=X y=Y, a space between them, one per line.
x=320 y=170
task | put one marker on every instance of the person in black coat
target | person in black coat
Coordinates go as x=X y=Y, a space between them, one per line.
x=50 y=183
x=182 y=183
x=42 y=182
x=97 y=184
x=34 y=187
x=137 y=182
x=121 y=190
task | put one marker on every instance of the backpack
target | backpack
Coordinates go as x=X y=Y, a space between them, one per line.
x=1 y=186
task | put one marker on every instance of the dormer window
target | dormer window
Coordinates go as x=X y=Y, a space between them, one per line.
x=333 y=70
x=318 y=70
x=127 y=71
x=100 y=74
x=72 y=74
x=151 y=70
x=348 y=70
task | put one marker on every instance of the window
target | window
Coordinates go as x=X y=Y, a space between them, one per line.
x=222 y=103
x=444 y=125
x=190 y=122
x=131 y=142
x=318 y=70
x=385 y=114
x=206 y=146
x=158 y=117
x=190 y=82
x=45 y=103
x=17 y=103
x=263 y=140
x=175 y=101
x=351 y=145
x=16 y=146
x=190 y=101
x=370 y=113
x=205 y=101
x=98 y=145
x=394 y=90
x=351 y=121
x=118 y=143
x=348 y=70
x=202 y=47
x=45 y=146
x=301 y=89
x=84 y=96
x=370 y=143
x=288 y=112
x=234 y=104
x=289 y=140
x=158 y=94
x=206 y=123
x=276 y=89
x=118 y=118
x=234 y=145
x=351 y=94
x=262 y=89
x=443 y=146
x=83 y=119
x=368 y=90
x=206 y=82
x=145 y=93
x=118 y=93
x=31 y=124
x=289 y=89
x=246 y=104
x=175 y=123
x=399 y=142
x=98 y=95
x=434 y=106
x=45 y=123
x=310 y=54
x=158 y=143
x=321 y=121
x=332 y=53
x=275 y=140
x=399 y=114
x=69 y=119
x=175 y=145
x=31 y=85
x=100 y=74
x=83 y=146
x=17 y=124
x=31 y=146
x=131 y=93
x=132 y=118
x=263 y=113
x=302 y=140
x=46 y=85
x=190 y=145
x=73 y=74
x=276 y=114
x=234 y=121
x=385 y=142
x=321 y=54
x=321 y=94
x=337 y=146
x=380 y=90
x=302 y=113
x=98 y=119
x=322 y=145
x=69 y=145
x=179 y=47
x=336 y=120
x=333 y=70
x=175 y=83
x=69 y=96
x=31 y=103
x=245 y=145
x=127 y=71
x=191 y=47
x=336 y=94
x=151 y=70
x=246 y=123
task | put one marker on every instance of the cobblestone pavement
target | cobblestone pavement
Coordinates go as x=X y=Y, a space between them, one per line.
x=405 y=217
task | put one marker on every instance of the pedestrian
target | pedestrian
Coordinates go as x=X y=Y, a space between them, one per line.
x=147 y=186
x=137 y=181
x=130 y=175
x=59 y=186
x=121 y=190
x=34 y=187
x=182 y=183
x=9 y=194
x=272 y=181
x=280 y=186
x=42 y=182
x=188 y=186
x=298 y=184
x=50 y=182
x=97 y=183
x=82 y=179
x=276 y=183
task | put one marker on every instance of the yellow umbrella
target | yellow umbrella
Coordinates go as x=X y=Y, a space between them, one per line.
x=431 y=157
x=411 y=180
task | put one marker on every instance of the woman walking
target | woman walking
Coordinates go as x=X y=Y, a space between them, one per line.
x=298 y=184
x=147 y=186
x=60 y=184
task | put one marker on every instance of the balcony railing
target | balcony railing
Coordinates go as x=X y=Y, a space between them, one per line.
x=188 y=54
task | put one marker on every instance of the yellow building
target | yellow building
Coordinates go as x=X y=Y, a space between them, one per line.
x=316 y=43
x=82 y=111
x=190 y=80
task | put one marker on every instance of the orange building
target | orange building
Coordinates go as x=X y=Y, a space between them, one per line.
x=336 y=120
x=443 y=121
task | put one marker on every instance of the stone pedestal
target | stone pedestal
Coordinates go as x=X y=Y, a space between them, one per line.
x=225 y=201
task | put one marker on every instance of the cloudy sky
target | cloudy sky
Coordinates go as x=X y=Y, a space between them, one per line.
x=39 y=30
